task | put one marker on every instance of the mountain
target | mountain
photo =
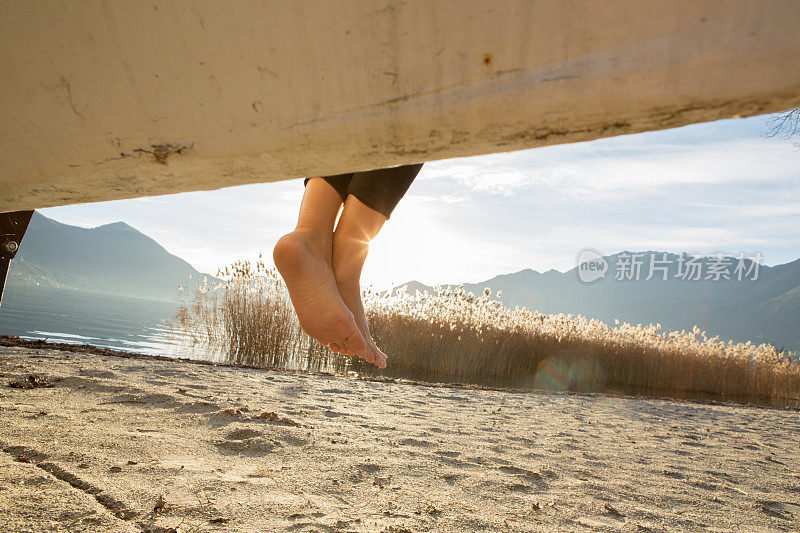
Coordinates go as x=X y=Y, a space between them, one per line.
x=118 y=259
x=111 y=259
x=765 y=309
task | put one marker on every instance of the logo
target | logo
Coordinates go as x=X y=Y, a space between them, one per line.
x=591 y=265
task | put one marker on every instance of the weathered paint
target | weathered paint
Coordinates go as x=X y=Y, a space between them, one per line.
x=104 y=100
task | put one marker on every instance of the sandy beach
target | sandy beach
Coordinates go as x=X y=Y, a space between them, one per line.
x=146 y=444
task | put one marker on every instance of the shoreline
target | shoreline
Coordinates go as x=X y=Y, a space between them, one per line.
x=40 y=344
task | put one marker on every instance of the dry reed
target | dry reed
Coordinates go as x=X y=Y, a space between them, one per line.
x=454 y=336
x=249 y=318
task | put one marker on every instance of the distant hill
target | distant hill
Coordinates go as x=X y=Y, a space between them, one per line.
x=111 y=259
x=763 y=310
x=118 y=259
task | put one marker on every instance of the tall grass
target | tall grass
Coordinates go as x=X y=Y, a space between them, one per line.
x=455 y=336
x=249 y=318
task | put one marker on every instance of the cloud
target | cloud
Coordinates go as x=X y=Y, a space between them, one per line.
x=575 y=174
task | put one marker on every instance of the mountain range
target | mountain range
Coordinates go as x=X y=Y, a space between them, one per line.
x=764 y=309
x=111 y=259
x=762 y=306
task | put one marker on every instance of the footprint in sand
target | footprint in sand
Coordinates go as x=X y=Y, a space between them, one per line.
x=242 y=434
x=245 y=441
x=257 y=447
x=163 y=401
x=88 y=385
x=220 y=418
x=519 y=487
x=369 y=468
x=362 y=471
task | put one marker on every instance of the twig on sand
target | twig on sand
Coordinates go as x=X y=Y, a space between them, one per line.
x=612 y=510
x=160 y=505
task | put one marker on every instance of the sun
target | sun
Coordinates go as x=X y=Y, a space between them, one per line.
x=411 y=245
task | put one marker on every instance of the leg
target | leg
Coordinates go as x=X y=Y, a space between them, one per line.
x=383 y=189
x=340 y=182
x=303 y=258
x=357 y=226
x=373 y=197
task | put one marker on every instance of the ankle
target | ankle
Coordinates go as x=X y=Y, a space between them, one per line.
x=347 y=270
x=348 y=277
x=348 y=260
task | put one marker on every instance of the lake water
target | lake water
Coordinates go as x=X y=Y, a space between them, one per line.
x=118 y=322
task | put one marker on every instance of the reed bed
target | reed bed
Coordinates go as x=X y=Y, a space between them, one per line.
x=454 y=336
x=249 y=319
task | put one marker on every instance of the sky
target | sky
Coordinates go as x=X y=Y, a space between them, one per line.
x=702 y=189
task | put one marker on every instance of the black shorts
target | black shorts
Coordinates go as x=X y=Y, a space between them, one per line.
x=379 y=189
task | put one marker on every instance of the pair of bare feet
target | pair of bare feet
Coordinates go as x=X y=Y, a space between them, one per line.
x=322 y=270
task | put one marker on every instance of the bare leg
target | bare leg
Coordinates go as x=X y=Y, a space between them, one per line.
x=303 y=257
x=357 y=226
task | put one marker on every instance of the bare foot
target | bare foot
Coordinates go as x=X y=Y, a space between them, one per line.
x=348 y=259
x=304 y=264
x=351 y=295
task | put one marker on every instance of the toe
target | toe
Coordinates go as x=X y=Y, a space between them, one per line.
x=358 y=346
x=378 y=360
x=380 y=357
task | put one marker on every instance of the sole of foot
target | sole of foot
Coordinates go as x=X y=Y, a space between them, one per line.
x=306 y=271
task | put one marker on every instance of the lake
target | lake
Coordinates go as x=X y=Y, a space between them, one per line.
x=118 y=322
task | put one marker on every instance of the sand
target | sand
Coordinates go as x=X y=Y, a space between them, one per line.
x=144 y=444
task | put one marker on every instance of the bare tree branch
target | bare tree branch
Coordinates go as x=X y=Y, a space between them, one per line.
x=785 y=125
